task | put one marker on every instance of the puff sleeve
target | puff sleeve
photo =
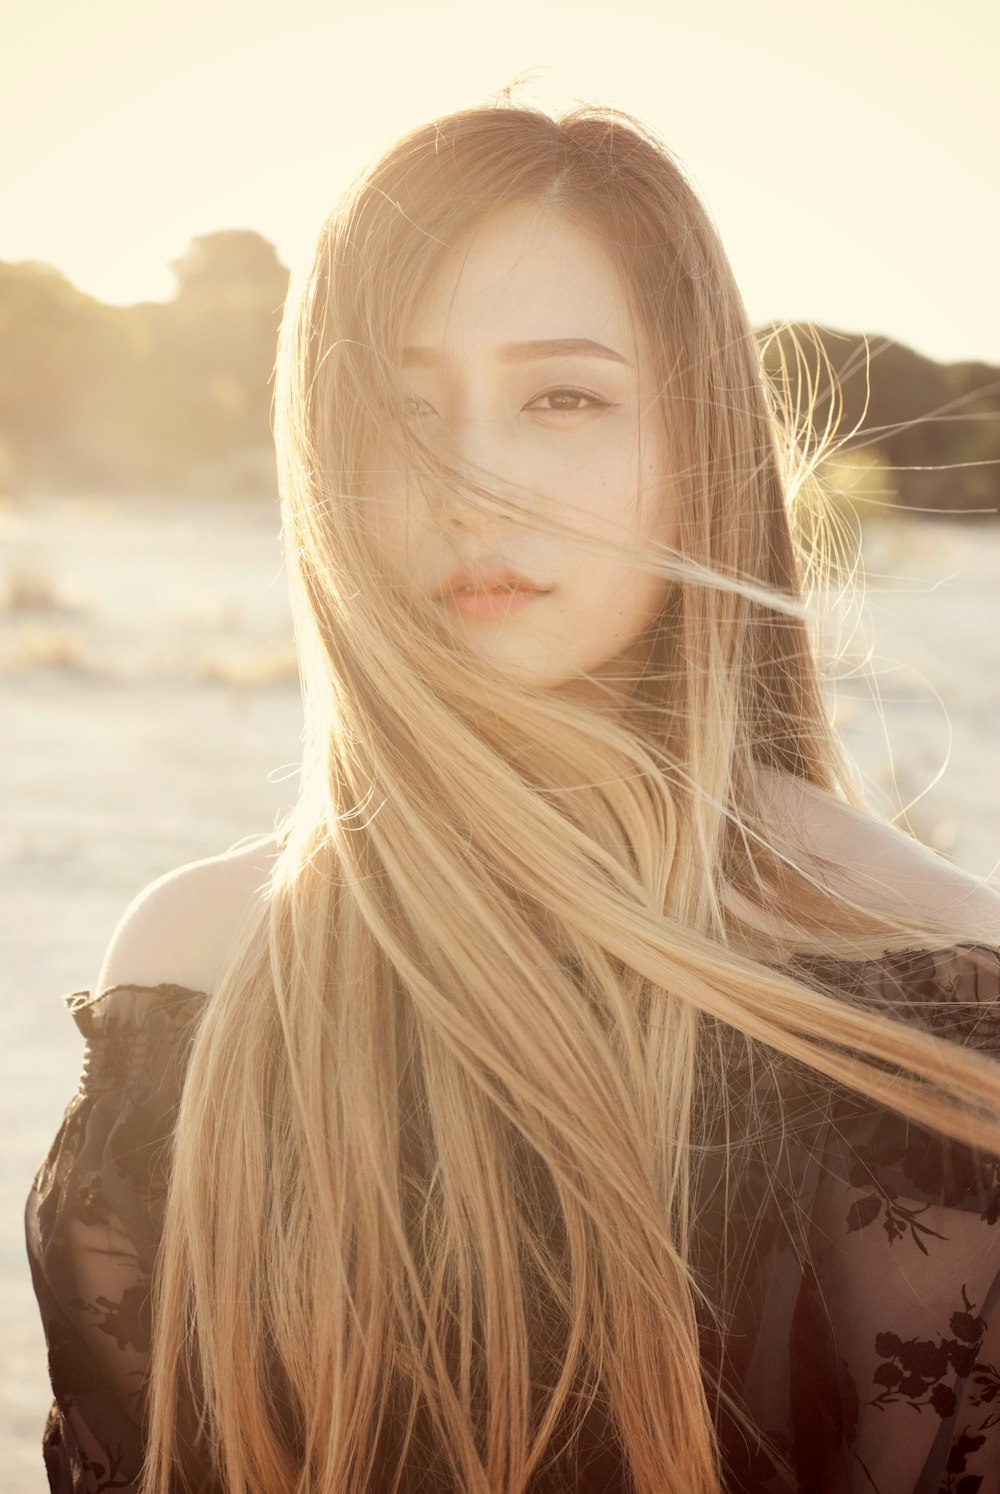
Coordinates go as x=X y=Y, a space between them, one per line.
x=92 y=1222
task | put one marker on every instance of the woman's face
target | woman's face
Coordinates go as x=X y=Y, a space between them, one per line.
x=521 y=360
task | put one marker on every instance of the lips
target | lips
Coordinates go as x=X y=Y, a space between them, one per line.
x=482 y=582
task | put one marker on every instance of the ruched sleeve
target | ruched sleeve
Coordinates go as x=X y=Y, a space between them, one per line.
x=875 y=1366
x=93 y=1220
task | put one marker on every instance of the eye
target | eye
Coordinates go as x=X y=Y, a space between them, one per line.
x=569 y=402
x=561 y=402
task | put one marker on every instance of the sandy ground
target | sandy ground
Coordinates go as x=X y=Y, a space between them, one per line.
x=151 y=717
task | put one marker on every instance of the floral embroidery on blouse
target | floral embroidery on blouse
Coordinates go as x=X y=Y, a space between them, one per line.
x=865 y=1337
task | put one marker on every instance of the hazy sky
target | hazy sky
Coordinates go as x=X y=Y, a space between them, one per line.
x=850 y=154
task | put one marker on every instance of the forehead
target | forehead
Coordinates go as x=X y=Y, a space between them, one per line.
x=524 y=273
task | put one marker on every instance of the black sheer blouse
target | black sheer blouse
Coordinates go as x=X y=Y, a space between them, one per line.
x=870 y=1361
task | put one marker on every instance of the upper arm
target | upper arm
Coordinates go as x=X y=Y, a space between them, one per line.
x=877 y=864
x=179 y=928
x=891 y=871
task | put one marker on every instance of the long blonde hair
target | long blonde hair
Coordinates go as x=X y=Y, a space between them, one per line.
x=437 y=1151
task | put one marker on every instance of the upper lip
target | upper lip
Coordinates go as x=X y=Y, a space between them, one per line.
x=486 y=581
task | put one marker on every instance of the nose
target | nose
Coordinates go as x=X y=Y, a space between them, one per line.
x=479 y=455
x=478 y=447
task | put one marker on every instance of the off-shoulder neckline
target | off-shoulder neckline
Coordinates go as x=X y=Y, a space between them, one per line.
x=79 y=1000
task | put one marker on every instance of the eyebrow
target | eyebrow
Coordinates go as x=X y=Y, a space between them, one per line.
x=523 y=352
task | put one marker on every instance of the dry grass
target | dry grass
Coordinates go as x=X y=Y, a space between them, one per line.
x=32 y=588
x=266 y=666
x=42 y=648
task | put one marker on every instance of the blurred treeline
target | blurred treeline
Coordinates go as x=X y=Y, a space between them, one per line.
x=911 y=434
x=160 y=397
x=175 y=397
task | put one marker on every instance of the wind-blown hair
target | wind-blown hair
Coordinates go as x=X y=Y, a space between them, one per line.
x=438 y=1145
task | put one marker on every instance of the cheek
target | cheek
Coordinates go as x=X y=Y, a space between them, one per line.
x=659 y=497
x=662 y=519
x=386 y=512
x=658 y=509
x=617 y=603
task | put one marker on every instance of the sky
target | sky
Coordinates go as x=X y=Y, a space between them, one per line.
x=848 y=154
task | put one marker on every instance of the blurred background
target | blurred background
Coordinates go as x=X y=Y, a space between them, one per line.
x=164 y=164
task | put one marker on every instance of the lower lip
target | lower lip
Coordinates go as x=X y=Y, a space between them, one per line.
x=491 y=603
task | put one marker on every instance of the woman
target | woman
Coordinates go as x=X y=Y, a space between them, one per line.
x=585 y=1089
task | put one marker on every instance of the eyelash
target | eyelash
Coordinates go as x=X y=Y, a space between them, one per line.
x=593 y=401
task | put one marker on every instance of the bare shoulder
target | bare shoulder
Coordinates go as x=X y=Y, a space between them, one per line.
x=876 y=862
x=178 y=929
